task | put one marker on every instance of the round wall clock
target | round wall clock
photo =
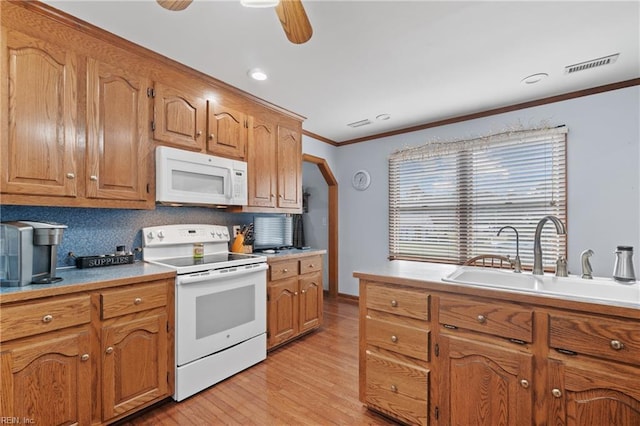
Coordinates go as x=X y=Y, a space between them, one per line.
x=361 y=180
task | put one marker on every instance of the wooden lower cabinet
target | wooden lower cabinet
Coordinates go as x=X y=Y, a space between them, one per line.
x=495 y=360
x=46 y=379
x=294 y=298
x=86 y=358
x=484 y=384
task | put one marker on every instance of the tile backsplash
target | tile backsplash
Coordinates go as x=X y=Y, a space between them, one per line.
x=98 y=231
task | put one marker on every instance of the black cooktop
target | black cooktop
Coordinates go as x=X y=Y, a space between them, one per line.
x=179 y=262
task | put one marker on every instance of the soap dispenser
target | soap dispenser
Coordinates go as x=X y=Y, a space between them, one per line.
x=623 y=268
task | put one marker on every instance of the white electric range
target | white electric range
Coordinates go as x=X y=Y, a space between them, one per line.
x=220 y=304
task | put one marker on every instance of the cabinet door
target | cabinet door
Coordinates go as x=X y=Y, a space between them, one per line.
x=179 y=118
x=47 y=380
x=262 y=165
x=289 y=168
x=485 y=384
x=585 y=393
x=117 y=123
x=134 y=363
x=282 y=310
x=310 y=303
x=227 y=131
x=39 y=90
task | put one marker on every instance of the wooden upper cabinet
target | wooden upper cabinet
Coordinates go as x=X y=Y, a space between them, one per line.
x=39 y=104
x=262 y=166
x=117 y=129
x=289 y=150
x=180 y=118
x=226 y=132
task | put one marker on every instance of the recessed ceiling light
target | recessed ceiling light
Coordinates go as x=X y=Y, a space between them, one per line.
x=257 y=74
x=383 y=117
x=534 y=78
x=259 y=3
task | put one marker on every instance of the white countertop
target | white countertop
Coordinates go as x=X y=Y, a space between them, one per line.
x=573 y=289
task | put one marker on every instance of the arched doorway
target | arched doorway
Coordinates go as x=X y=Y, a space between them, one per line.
x=332 y=251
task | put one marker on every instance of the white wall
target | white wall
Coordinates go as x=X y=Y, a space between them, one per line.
x=316 y=229
x=603 y=179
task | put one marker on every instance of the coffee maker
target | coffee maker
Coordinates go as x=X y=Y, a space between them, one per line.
x=28 y=252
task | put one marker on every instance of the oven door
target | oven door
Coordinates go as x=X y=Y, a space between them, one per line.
x=218 y=309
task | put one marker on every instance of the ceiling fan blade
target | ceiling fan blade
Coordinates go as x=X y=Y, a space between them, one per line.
x=174 y=4
x=294 y=21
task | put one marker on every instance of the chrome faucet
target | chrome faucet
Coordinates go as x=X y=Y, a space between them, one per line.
x=586 y=264
x=517 y=265
x=537 y=247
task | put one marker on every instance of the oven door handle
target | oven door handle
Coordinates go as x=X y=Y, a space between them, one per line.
x=218 y=274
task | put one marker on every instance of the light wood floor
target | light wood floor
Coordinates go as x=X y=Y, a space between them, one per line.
x=311 y=381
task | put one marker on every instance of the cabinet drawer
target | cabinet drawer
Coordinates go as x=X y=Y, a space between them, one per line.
x=132 y=299
x=310 y=264
x=598 y=336
x=399 y=301
x=41 y=316
x=397 y=388
x=400 y=338
x=499 y=319
x=281 y=270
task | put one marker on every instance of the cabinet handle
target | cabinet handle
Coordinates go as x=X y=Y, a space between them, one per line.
x=211 y=136
x=137 y=301
x=71 y=175
x=481 y=319
x=47 y=319
x=303 y=291
x=199 y=133
x=394 y=339
x=109 y=350
x=84 y=357
x=311 y=265
x=285 y=270
x=616 y=345
x=556 y=392
x=295 y=293
x=524 y=383
x=394 y=388
x=94 y=178
x=394 y=303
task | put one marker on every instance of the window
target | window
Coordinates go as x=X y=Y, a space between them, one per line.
x=448 y=200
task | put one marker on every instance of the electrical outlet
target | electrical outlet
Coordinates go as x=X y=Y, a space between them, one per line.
x=236 y=229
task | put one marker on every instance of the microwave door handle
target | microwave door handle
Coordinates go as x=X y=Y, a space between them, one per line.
x=230 y=170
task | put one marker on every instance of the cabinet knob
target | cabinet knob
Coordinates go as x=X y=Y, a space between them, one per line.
x=394 y=303
x=295 y=293
x=84 y=357
x=109 y=350
x=199 y=133
x=616 y=345
x=285 y=270
x=481 y=319
x=71 y=175
x=47 y=319
x=137 y=300
x=394 y=339
x=394 y=388
x=524 y=383
x=556 y=392
x=311 y=265
x=303 y=291
x=211 y=136
x=94 y=178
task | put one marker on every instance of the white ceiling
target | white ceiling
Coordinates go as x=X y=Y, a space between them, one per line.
x=419 y=61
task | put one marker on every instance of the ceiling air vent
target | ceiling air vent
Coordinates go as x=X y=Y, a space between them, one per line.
x=591 y=64
x=359 y=123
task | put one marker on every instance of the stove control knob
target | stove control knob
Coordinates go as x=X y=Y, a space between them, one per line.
x=150 y=235
x=161 y=234
x=219 y=234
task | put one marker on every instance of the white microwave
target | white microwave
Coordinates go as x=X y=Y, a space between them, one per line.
x=185 y=177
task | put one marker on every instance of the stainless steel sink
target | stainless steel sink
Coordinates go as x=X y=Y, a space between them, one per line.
x=573 y=286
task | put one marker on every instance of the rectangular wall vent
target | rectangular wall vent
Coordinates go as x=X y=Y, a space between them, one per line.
x=359 y=123
x=591 y=64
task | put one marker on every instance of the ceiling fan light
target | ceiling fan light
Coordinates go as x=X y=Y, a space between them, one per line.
x=259 y=3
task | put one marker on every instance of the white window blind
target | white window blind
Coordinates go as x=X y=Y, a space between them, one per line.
x=447 y=201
